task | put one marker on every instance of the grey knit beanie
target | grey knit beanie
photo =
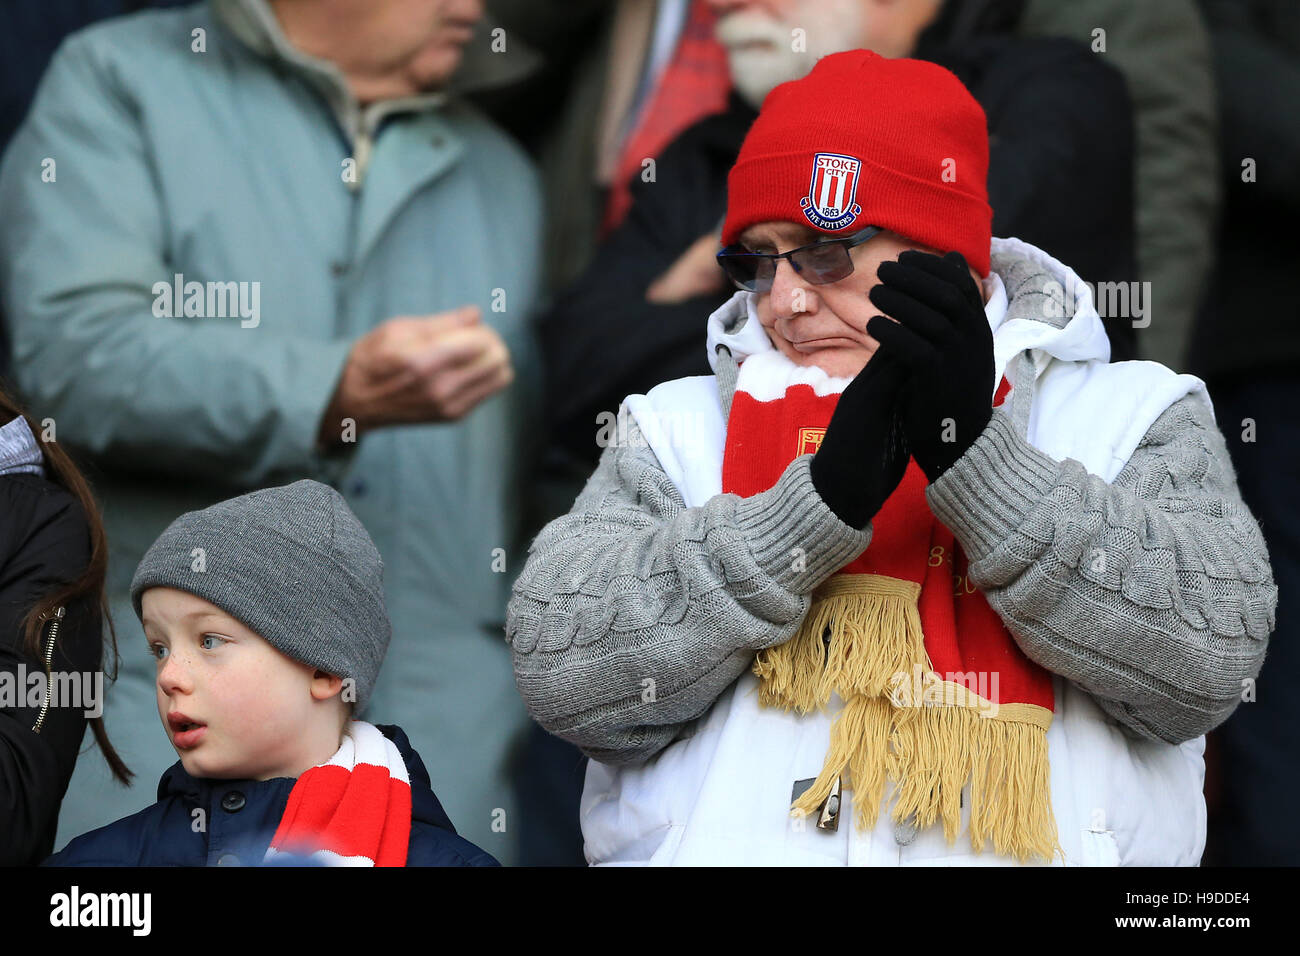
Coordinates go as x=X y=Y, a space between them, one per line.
x=293 y=564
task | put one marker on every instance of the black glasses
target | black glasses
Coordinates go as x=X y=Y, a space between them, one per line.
x=819 y=262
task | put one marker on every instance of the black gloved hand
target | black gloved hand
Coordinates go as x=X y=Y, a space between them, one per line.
x=864 y=452
x=943 y=338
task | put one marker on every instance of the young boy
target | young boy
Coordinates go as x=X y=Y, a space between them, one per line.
x=266 y=616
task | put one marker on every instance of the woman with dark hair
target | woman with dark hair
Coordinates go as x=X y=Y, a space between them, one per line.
x=53 y=557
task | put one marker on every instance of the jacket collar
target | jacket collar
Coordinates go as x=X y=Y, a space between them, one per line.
x=20 y=453
x=425 y=806
x=254 y=23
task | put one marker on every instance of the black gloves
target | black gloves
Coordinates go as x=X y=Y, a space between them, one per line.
x=864 y=452
x=927 y=391
x=943 y=338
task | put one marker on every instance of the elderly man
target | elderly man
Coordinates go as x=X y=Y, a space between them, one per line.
x=1057 y=114
x=243 y=241
x=916 y=554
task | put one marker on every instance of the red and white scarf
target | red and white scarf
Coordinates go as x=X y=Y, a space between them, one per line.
x=935 y=690
x=354 y=809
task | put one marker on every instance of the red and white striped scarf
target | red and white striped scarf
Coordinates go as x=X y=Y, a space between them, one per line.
x=895 y=632
x=352 y=810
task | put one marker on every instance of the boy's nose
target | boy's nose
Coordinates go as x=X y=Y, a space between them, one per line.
x=174 y=677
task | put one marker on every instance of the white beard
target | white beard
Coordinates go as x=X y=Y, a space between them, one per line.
x=830 y=26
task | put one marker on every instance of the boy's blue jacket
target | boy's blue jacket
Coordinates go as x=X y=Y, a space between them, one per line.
x=209 y=822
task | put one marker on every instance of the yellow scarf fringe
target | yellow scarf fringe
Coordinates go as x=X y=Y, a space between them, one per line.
x=930 y=751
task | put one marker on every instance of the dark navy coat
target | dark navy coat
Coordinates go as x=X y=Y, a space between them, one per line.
x=209 y=822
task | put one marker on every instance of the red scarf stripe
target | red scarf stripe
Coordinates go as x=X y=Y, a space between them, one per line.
x=360 y=811
x=349 y=807
x=963 y=634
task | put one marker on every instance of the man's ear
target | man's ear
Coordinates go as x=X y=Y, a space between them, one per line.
x=324 y=686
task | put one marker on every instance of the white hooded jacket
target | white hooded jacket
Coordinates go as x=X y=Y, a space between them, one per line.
x=721 y=794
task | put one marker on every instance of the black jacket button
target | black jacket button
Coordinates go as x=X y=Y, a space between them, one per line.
x=233 y=802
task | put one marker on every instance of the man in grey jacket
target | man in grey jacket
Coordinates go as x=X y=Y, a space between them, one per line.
x=1134 y=574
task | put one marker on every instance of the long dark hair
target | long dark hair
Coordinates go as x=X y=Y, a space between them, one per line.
x=86 y=591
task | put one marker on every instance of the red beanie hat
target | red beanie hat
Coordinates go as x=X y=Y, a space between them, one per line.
x=862 y=141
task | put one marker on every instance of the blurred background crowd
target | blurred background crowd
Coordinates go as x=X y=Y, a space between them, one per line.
x=540 y=183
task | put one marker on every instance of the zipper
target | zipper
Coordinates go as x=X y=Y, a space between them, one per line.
x=362 y=147
x=363 y=140
x=343 y=268
x=54 y=619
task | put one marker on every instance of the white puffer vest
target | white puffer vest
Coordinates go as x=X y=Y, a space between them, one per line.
x=721 y=795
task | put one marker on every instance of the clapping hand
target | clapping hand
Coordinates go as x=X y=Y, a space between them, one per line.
x=942 y=337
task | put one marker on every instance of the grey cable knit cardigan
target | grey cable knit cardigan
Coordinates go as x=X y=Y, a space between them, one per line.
x=632 y=587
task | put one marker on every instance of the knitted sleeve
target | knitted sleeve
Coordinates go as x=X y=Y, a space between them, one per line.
x=633 y=613
x=1153 y=593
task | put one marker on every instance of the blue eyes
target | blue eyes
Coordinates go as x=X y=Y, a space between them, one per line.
x=209 y=642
